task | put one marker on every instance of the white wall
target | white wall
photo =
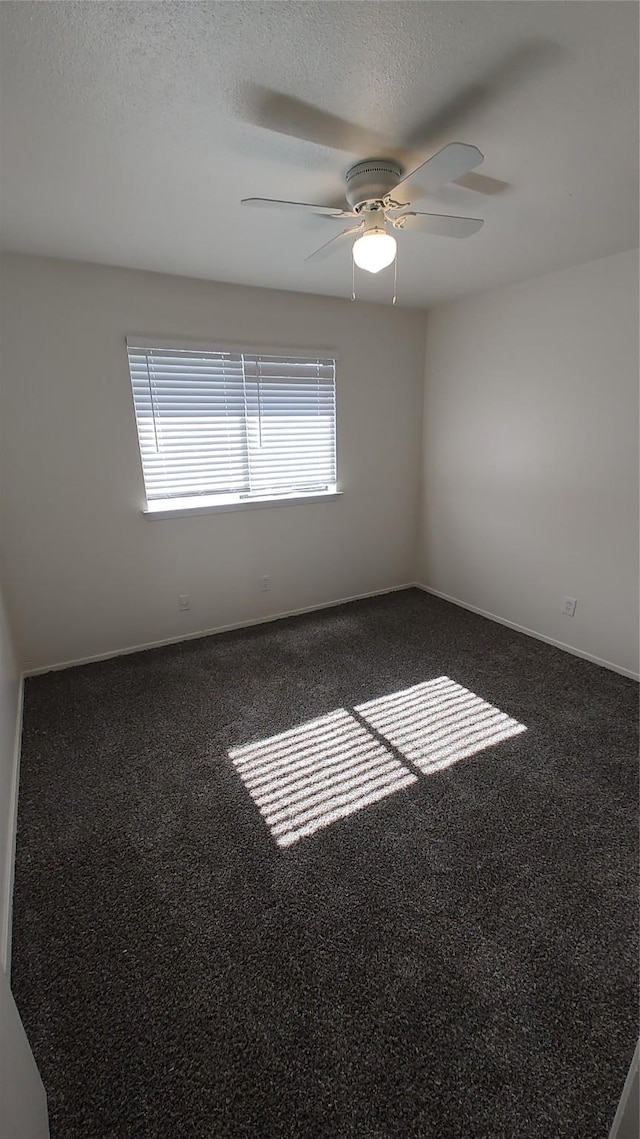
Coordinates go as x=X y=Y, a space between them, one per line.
x=530 y=456
x=85 y=572
x=23 y=1104
x=626 y=1123
x=10 y=719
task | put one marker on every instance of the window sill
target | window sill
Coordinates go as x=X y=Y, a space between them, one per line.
x=185 y=508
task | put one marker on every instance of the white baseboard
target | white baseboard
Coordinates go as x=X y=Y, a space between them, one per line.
x=530 y=632
x=10 y=853
x=329 y=605
x=212 y=632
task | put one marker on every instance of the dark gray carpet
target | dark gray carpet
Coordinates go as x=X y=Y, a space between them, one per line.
x=455 y=960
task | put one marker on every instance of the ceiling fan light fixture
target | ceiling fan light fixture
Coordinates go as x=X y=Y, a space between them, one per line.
x=374 y=250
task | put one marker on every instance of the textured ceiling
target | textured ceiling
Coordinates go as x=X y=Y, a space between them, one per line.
x=129 y=133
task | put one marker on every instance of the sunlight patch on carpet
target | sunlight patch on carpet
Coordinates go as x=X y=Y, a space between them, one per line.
x=438 y=723
x=310 y=776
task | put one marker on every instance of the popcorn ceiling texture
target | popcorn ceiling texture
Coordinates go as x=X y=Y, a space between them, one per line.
x=130 y=134
x=456 y=960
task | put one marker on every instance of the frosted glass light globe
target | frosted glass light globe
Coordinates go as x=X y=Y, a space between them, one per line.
x=374 y=250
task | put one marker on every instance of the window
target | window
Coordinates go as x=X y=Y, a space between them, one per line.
x=223 y=427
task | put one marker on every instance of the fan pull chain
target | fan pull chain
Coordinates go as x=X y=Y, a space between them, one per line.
x=353 y=280
x=395 y=279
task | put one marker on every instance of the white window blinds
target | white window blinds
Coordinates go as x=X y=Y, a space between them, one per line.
x=233 y=424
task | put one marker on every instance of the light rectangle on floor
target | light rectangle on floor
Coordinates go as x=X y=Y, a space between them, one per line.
x=437 y=723
x=310 y=776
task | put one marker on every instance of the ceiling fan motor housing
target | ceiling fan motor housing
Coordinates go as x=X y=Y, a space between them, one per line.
x=371 y=180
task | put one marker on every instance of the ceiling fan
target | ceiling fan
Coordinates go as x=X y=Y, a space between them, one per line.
x=379 y=195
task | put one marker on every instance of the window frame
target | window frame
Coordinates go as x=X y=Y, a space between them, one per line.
x=217 y=504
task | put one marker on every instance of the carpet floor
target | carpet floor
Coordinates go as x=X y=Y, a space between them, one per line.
x=368 y=873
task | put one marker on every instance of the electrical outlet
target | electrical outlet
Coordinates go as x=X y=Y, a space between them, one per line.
x=265 y=583
x=183 y=602
x=569 y=606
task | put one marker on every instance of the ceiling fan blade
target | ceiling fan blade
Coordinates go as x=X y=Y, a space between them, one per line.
x=481 y=183
x=453 y=160
x=444 y=225
x=330 y=246
x=526 y=61
x=280 y=204
x=288 y=115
